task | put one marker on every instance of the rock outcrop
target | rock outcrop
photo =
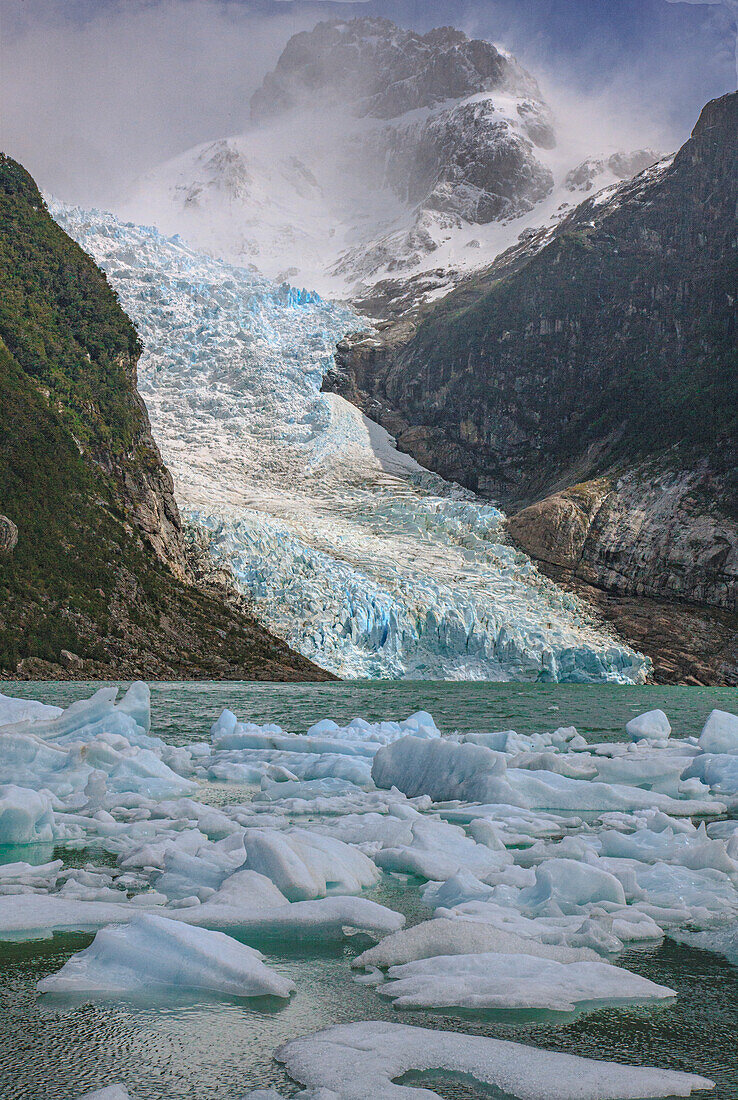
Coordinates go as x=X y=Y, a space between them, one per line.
x=8 y=535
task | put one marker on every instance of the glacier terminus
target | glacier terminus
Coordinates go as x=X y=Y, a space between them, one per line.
x=350 y=551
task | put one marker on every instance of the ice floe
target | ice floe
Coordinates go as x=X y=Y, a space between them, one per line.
x=344 y=1058
x=515 y=981
x=151 y=954
x=535 y=861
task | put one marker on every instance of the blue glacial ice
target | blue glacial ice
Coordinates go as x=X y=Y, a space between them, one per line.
x=349 y=550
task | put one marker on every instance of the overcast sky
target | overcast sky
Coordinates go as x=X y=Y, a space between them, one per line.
x=95 y=92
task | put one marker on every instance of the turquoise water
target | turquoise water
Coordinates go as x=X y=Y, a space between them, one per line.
x=199 y=1049
x=183 y=711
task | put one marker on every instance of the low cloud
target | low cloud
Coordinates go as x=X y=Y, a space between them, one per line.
x=95 y=93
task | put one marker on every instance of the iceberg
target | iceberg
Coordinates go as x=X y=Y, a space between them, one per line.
x=25 y=710
x=304 y=866
x=515 y=982
x=34 y=916
x=26 y=816
x=461 y=937
x=151 y=954
x=651 y=726
x=343 y=1060
x=720 y=733
x=117 y=1091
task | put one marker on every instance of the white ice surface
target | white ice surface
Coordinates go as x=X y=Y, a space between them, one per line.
x=515 y=981
x=109 y=1092
x=720 y=733
x=24 y=710
x=460 y=937
x=152 y=954
x=338 y=1064
x=651 y=726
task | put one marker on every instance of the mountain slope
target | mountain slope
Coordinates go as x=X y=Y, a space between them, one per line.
x=91 y=574
x=602 y=351
x=374 y=153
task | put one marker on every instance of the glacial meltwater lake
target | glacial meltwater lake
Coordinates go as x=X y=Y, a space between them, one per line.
x=202 y=1048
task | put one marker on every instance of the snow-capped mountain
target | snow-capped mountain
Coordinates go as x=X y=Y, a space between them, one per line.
x=346 y=548
x=374 y=153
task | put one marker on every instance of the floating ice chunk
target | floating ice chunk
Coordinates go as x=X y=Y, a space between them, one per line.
x=136 y=703
x=569 y=884
x=19 y=877
x=32 y=916
x=235 y=773
x=461 y=937
x=718 y=770
x=25 y=710
x=26 y=816
x=308 y=789
x=460 y=888
x=723 y=941
x=447 y=771
x=507 y=981
x=651 y=726
x=249 y=890
x=704 y=894
x=306 y=865
x=444 y=770
x=224 y=725
x=498 y=741
x=422 y=723
x=549 y=791
x=720 y=733
x=266 y=1094
x=152 y=953
x=650 y=767
x=438 y=850
x=351 y=1061
x=695 y=850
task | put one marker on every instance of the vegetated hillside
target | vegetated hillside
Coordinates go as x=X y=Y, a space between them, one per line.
x=93 y=572
x=592 y=375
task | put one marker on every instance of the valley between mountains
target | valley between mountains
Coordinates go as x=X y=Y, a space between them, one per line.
x=455 y=454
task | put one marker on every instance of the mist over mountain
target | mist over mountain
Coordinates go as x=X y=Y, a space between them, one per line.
x=144 y=81
x=374 y=153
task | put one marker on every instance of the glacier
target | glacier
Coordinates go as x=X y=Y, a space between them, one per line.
x=350 y=551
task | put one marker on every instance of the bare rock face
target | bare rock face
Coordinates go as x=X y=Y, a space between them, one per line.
x=602 y=348
x=555 y=530
x=652 y=532
x=384 y=70
x=8 y=535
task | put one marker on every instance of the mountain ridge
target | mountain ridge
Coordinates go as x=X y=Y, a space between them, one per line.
x=374 y=153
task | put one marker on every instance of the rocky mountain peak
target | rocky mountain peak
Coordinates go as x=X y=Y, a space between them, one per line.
x=383 y=71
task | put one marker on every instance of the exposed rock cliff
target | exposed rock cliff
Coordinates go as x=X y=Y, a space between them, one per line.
x=603 y=352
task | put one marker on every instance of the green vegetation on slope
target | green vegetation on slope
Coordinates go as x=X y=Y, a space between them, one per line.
x=62 y=322
x=73 y=436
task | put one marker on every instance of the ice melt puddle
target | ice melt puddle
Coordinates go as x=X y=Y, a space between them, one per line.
x=350 y=551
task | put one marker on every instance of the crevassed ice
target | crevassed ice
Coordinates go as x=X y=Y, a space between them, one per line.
x=353 y=553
